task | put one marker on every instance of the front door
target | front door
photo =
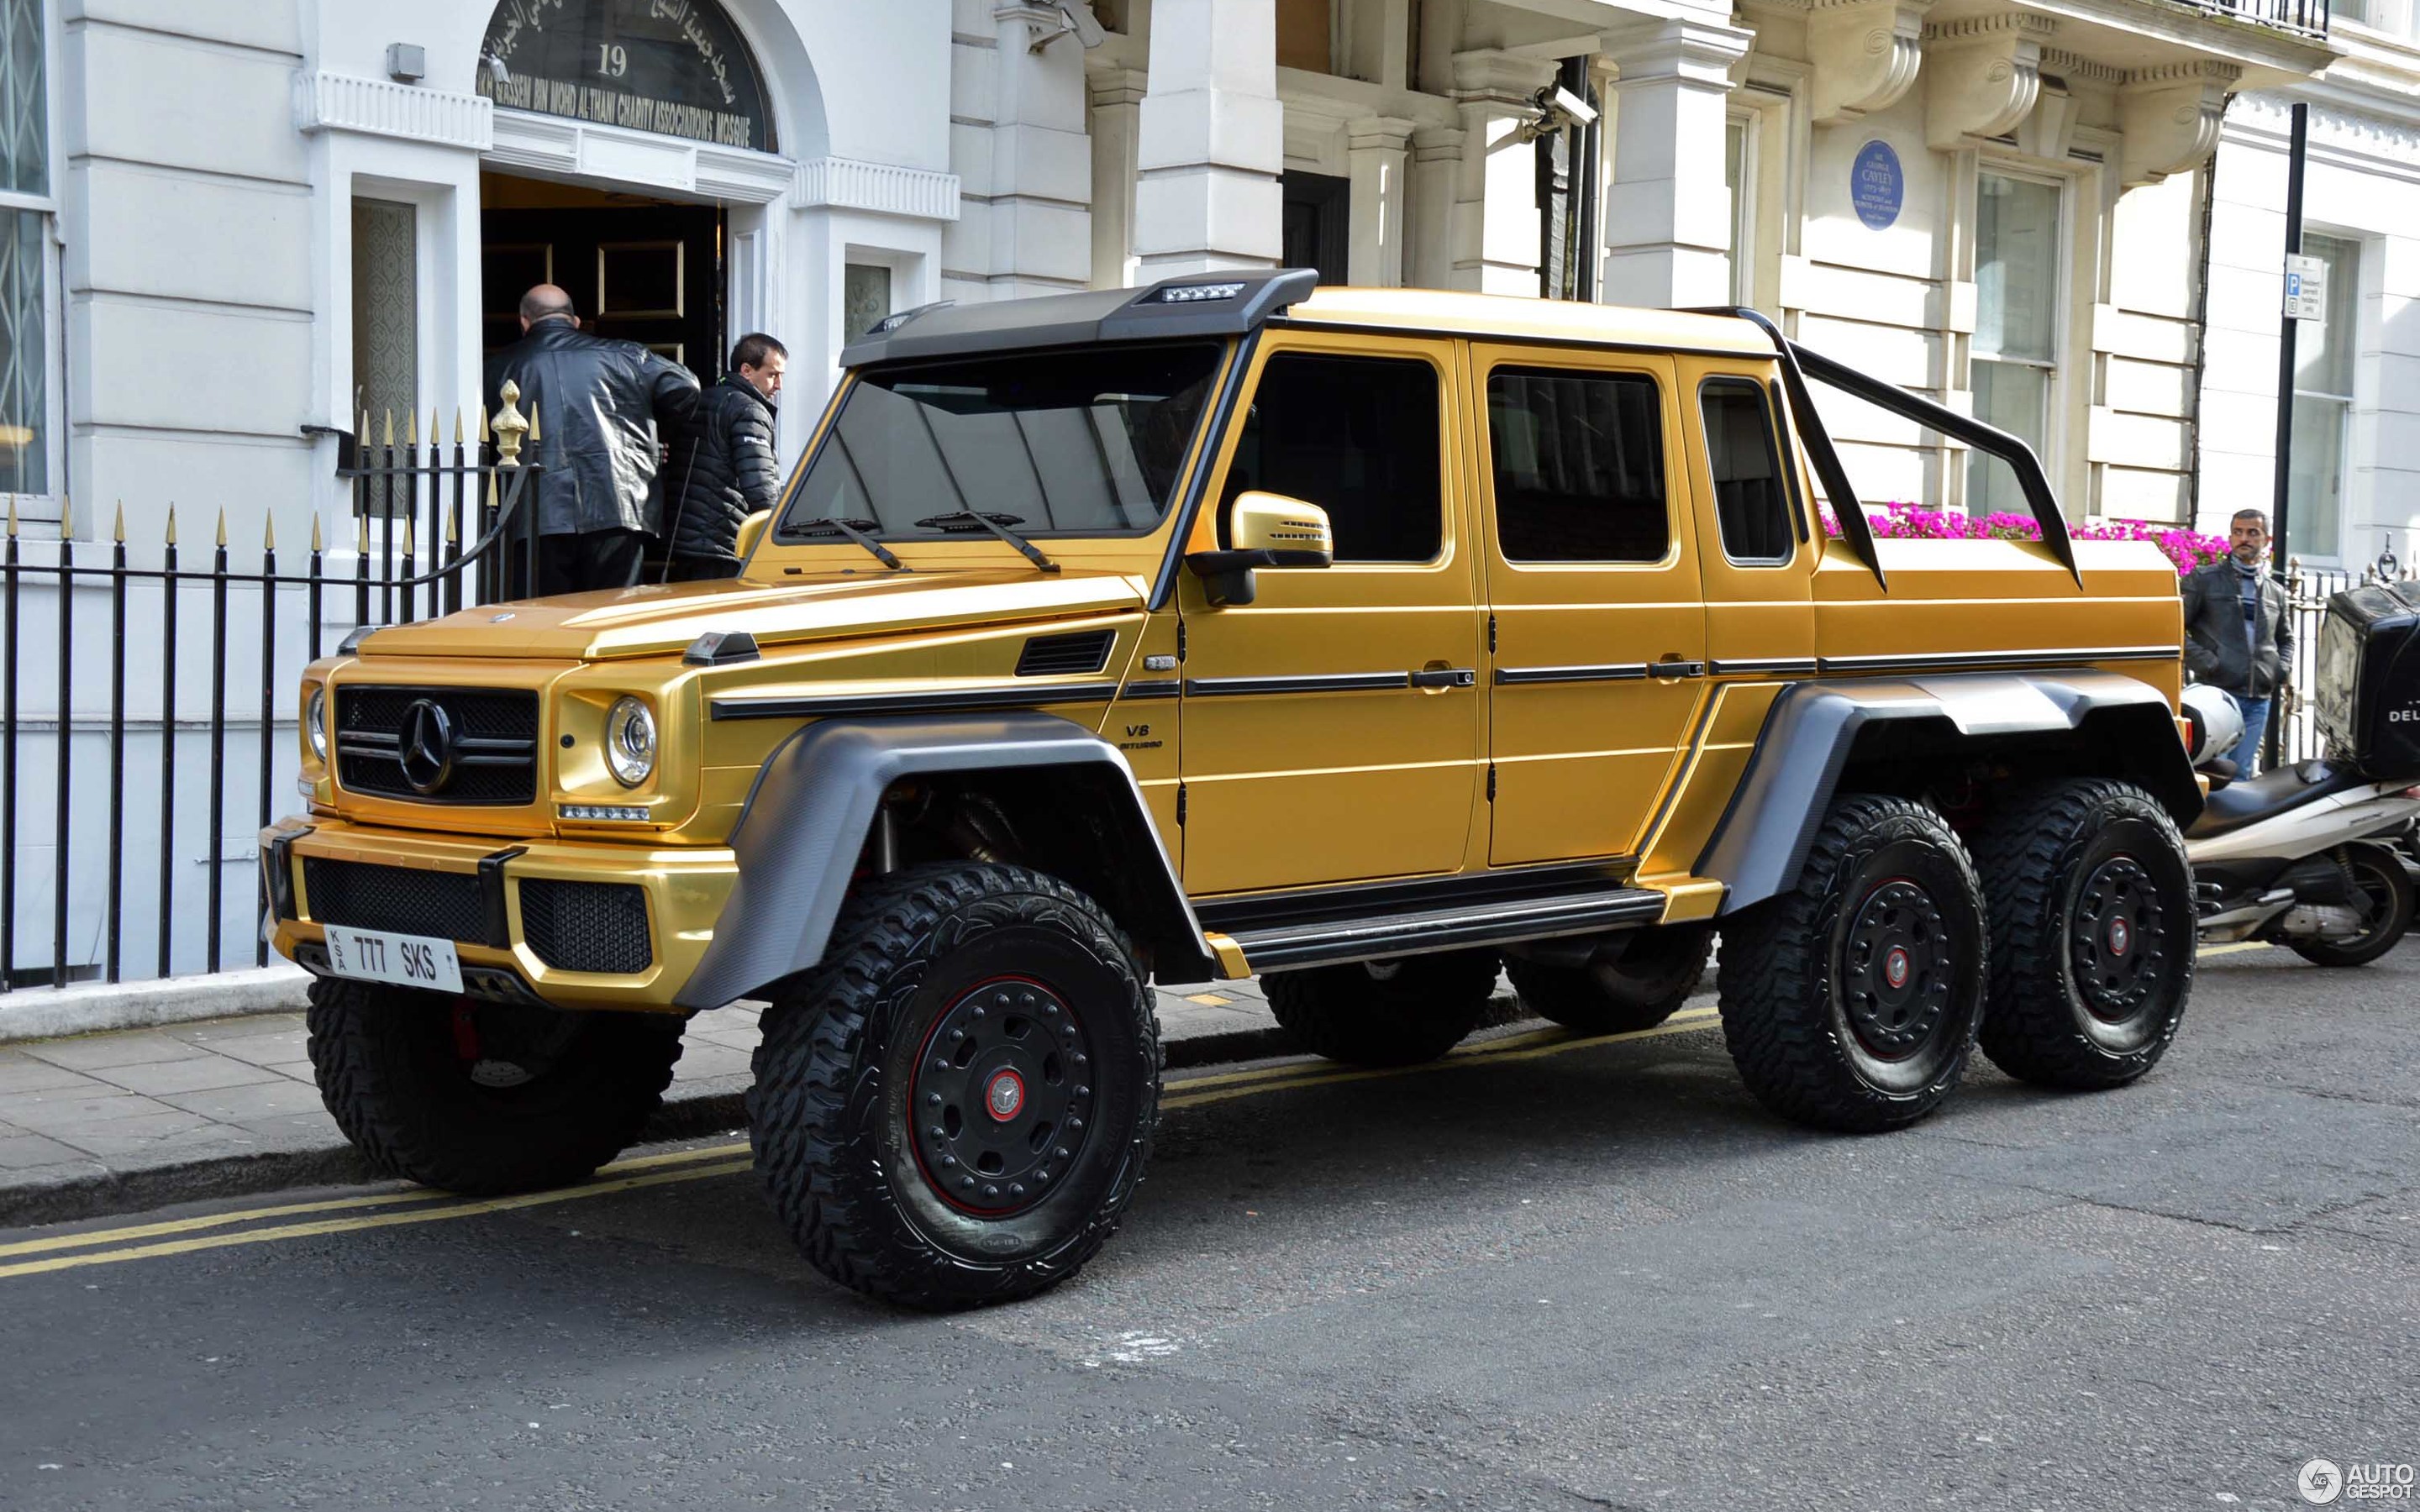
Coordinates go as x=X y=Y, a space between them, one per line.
x=1600 y=627
x=1331 y=727
x=647 y=274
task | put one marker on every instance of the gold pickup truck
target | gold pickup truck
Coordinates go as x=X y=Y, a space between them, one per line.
x=1369 y=640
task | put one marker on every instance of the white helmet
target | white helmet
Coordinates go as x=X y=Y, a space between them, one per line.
x=2216 y=720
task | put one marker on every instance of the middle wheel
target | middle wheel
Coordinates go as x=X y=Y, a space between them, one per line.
x=1850 y=1001
x=1385 y=1012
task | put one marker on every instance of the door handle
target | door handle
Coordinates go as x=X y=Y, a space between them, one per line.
x=1444 y=677
x=1673 y=667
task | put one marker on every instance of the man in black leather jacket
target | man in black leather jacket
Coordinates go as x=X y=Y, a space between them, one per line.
x=726 y=470
x=600 y=405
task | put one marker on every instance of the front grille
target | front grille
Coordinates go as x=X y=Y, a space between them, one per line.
x=396 y=898
x=586 y=926
x=494 y=737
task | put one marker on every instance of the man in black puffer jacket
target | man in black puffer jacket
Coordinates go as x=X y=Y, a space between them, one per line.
x=726 y=472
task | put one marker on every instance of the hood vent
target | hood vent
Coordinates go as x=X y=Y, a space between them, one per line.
x=1059 y=655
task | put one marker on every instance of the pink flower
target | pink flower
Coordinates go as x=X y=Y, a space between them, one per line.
x=2187 y=549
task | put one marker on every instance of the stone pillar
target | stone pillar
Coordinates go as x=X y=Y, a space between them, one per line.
x=1212 y=140
x=1117 y=120
x=1379 y=146
x=1495 y=225
x=1437 y=169
x=1667 y=224
x=1041 y=164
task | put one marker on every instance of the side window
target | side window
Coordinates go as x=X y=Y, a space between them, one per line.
x=1751 y=503
x=1579 y=466
x=1357 y=435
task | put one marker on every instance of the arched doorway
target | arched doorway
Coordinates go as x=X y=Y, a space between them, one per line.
x=627 y=224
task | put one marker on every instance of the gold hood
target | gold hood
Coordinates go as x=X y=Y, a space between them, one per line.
x=660 y=620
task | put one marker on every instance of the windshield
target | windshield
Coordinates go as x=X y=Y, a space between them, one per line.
x=1083 y=442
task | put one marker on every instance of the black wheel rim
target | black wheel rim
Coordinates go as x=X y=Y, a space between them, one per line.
x=1898 y=971
x=2117 y=946
x=1001 y=1101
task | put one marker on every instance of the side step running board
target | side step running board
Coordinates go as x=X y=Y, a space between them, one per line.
x=1416 y=931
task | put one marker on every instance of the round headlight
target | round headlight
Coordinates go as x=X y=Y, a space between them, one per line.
x=631 y=742
x=314 y=721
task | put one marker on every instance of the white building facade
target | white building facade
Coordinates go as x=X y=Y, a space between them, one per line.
x=2353 y=474
x=239 y=232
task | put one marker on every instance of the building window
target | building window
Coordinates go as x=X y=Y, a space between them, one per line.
x=1316 y=225
x=2323 y=354
x=2016 y=326
x=864 y=298
x=1739 y=179
x=26 y=210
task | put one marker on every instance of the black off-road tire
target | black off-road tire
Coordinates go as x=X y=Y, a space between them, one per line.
x=1819 y=1029
x=392 y=1068
x=2092 y=933
x=1397 y=1013
x=2378 y=870
x=964 y=977
x=1636 y=986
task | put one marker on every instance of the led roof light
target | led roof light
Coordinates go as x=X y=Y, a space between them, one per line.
x=1194 y=293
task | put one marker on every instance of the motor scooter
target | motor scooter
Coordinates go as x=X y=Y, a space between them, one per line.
x=2313 y=856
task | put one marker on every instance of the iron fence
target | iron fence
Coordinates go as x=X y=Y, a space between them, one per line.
x=430 y=524
x=2307 y=591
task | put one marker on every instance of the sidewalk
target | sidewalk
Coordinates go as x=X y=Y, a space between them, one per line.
x=137 y=1118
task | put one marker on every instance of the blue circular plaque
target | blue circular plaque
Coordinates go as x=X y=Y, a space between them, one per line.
x=1876 y=186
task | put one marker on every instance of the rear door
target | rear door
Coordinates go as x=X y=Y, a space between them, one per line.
x=1599 y=634
x=1757 y=549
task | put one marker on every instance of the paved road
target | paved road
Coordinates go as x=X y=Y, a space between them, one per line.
x=1537 y=1277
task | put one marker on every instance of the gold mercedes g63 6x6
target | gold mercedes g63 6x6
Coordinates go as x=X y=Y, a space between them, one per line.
x=1371 y=641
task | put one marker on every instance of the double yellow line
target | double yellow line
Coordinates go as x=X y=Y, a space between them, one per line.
x=395 y=1210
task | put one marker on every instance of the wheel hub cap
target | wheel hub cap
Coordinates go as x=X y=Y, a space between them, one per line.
x=2118 y=945
x=1001 y=1097
x=1897 y=970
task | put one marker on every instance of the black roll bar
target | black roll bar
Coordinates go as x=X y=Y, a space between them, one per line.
x=1798 y=364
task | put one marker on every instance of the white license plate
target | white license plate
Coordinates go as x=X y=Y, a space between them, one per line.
x=404 y=959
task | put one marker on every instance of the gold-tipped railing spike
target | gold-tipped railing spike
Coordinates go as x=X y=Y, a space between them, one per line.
x=361 y=435
x=510 y=426
x=410 y=429
x=407 y=535
x=12 y=514
x=172 y=525
x=485 y=435
x=66 y=518
x=269 y=533
x=457 y=424
x=435 y=433
x=390 y=428
x=534 y=437
x=221 y=528
x=362 y=540
x=119 y=534
x=452 y=529
x=315 y=533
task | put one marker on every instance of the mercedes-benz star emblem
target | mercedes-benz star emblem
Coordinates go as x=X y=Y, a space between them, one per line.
x=426 y=748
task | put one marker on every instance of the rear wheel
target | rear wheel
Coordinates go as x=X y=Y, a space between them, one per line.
x=485 y=1096
x=1634 y=984
x=2382 y=895
x=2092 y=933
x=1396 y=1013
x=1849 y=1001
x=956 y=1105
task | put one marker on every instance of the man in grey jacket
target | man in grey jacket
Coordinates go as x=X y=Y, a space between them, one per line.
x=2239 y=635
x=602 y=408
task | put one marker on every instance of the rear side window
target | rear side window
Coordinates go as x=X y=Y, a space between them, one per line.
x=1579 y=466
x=1750 y=505
x=1357 y=435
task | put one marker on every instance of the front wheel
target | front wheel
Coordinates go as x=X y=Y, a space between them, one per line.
x=483 y=1097
x=2383 y=897
x=2092 y=933
x=956 y=1105
x=1849 y=1001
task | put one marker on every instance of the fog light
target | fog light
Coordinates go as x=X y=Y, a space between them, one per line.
x=617 y=812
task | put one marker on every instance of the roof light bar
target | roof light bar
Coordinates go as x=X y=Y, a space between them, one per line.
x=1196 y=293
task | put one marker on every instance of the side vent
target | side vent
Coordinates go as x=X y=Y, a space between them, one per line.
x=1059 y=655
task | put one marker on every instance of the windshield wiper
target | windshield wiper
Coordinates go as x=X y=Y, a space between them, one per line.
x=855 y=530
x=998 y=524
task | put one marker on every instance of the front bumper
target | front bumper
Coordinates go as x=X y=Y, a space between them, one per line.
x=683 y=890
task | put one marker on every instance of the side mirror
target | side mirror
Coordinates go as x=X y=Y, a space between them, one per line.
x=751 y=531
x=1269 y=530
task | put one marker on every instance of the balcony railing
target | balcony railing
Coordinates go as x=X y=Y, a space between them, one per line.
x=2305 y=17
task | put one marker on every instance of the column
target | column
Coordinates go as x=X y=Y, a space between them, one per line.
x=1437 y=168
x=1041 y=164
x=1668 y=223
x=1494 y=226
x=1212 y=140
x=1377 y=148
x=1117 y=121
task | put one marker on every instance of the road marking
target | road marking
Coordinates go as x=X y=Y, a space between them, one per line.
x=2241 y=945
x=693 y=1165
